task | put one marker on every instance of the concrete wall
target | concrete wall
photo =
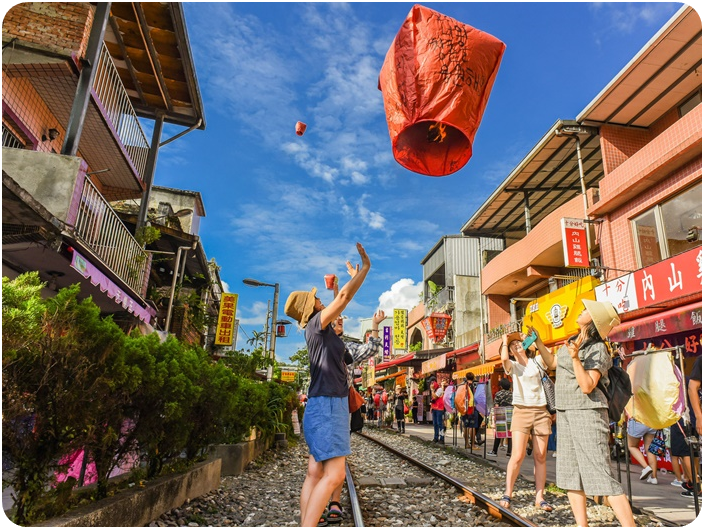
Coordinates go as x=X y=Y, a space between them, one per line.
x=235 y=458
x=137 y=508
x=467 y=317
x=50 y=178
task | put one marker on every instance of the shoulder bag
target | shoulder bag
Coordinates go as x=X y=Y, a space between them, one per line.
x=548 y=388
x=355 y=400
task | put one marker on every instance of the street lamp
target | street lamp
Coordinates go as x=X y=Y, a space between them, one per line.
x=272 y=340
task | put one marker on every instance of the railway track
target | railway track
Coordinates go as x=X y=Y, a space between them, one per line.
x=474 y=496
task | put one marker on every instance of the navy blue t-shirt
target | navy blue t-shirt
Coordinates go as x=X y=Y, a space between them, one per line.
x=326 y=353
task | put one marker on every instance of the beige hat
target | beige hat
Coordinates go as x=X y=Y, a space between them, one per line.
x=300 y=305
x=603 y=315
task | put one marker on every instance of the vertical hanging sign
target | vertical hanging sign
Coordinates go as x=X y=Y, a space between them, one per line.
x=387 y=344
x=574 y=243
x=400 y=325
x=226 y=319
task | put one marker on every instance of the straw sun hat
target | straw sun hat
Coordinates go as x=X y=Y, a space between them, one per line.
x=603 y=315
x=300 y=305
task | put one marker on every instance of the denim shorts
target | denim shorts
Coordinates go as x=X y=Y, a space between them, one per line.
x=326 y=427
x=638 y=430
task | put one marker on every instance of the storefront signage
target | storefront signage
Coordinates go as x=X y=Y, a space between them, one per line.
x=400 y=326
x=288 y=376
x=226 y=319
x=439 y=362
x=554 y=315
x=387 y=344
x=574 y=243
x=672 y=278
x=371 y=372
x=436 y=326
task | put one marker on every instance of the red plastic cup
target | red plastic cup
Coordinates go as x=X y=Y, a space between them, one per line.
x=330 y=281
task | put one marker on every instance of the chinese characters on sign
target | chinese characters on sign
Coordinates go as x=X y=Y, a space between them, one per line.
x=288 y=376
x=400 y=325
x=620 y=292
x=387 y=344
x=436 y=326
x=574 y=243
x=226 y=320
x=439 y=362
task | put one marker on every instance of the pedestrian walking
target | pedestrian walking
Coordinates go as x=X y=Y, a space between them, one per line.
x=583 y=465
x=638 y=431
x=326 y=421
x=504 y=399
x=400 y=408
x=530 y=416
x=414 y=408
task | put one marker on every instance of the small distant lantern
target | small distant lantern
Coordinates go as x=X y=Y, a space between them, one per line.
x=282 y=328
x=300 y=128
x=436 y=80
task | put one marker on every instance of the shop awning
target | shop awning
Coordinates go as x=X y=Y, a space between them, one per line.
x=481 y=369
x=680 y=319
x=464 y=350
x=392 y=375
x=395 y=361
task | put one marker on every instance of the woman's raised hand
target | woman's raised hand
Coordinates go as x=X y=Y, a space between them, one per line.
x=363 y=256
x=378 y=317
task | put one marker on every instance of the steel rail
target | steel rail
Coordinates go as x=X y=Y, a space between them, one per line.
x=484 y=502
x=354 y=499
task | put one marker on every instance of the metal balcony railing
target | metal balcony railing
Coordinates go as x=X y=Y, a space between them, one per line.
x=505 y=328
x=101 y=229
x=574 y=274
x=113 y=96
x=443 y=298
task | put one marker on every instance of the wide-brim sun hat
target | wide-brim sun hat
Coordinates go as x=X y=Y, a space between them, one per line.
x=603 y=315
x=300 y=305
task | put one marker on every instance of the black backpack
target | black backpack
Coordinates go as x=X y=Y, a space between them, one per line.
x=618 y=393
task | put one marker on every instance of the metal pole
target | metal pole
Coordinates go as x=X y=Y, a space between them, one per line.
x=177 y=264
x=74 y=128
x=584 y=195
x=272 y=342
x=526 y=210
x=149 y=170
x=690 y=438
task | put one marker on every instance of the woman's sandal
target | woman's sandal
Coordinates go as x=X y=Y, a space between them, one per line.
x=323 y=522
x=544 y=506
x=507 y=500
x=334 y=513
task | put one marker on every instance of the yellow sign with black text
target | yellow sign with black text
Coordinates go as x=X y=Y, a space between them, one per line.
x=288 y=376
x=554 y=315
x=226 y=320
x=400 y=326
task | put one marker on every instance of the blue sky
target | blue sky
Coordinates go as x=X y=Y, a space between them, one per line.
x=289 y=209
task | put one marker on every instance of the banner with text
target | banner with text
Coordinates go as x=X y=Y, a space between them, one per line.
x=387 y=344
x=400 y=326
x=574 y=243
x=226 y=320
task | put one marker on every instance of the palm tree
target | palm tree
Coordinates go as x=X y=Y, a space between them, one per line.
x=256 y=338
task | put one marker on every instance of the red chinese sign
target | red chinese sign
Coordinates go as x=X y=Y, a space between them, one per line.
x=672 y=278
x=226 y=320
x=436 y=326
x=574 y=243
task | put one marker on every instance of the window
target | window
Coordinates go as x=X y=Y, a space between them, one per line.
x=690 y=103
x=10 y=140
x=669 y=228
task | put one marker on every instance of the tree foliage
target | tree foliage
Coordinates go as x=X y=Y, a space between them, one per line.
x=72 y=379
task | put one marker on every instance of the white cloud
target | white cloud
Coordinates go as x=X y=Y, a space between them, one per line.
x=372 y=219
x=404 y=294
x=624 y=17
x=225 y=286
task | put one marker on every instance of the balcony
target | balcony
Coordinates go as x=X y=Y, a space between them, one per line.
x=112 y=141
x=59 y=184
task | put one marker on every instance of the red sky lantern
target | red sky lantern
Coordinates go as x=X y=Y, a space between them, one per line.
x=436 y=80
x=436 y=326
x=300 y=128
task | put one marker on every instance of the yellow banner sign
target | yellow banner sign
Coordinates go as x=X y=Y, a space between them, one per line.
x=288 y=376
x=226 y=320
x=400 y=325
x=554 y=315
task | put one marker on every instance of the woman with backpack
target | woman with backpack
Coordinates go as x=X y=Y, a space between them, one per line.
x=583 y=463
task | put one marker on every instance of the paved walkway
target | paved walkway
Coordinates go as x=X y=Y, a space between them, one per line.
x=662 y=499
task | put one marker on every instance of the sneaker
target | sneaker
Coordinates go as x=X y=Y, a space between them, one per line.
x=687 y=486
x=492 y=453
x=690 y=494
x=676 y=483
x=508 y=454
x=554 y=454
x=645 y=473
x=652 y=481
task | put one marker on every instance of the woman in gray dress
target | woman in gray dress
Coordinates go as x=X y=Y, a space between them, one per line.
x=583 y=464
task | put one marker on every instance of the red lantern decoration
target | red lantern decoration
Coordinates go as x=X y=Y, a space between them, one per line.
x=436 y=80
x=300 y=128
x=436 y=326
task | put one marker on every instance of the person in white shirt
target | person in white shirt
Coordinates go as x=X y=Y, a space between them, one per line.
x=530 y=416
